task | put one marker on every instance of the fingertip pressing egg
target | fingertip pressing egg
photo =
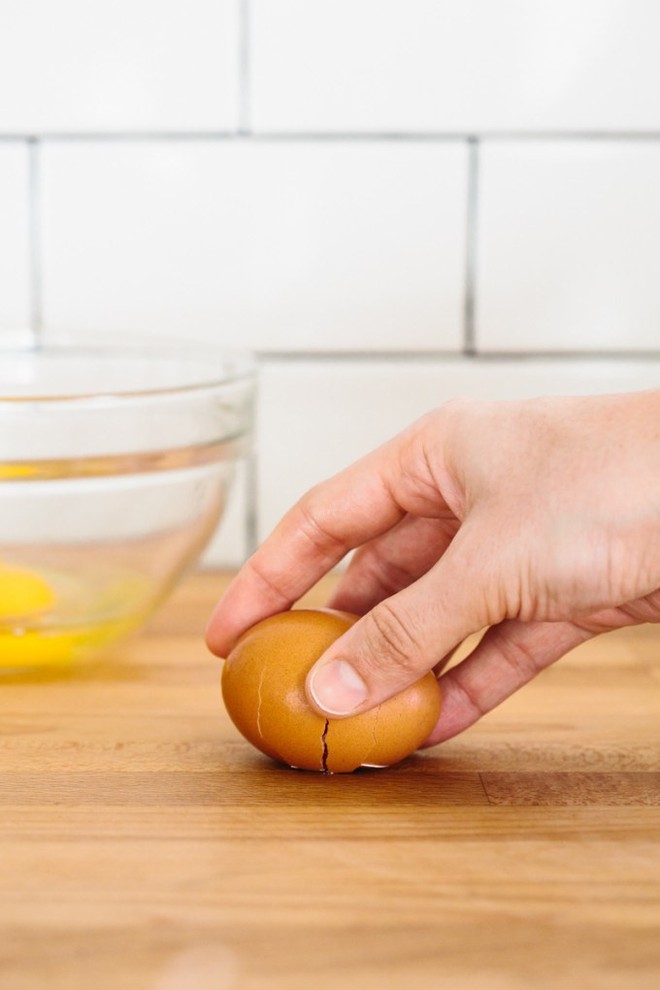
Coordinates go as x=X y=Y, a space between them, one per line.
x=263 y=686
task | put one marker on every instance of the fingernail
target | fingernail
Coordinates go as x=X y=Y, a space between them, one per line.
x=337 y=688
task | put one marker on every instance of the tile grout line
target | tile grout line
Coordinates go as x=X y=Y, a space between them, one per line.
x=244 y=70
x=471 y=221
x=34 y=238
x=430 y=137
x=251 y=501
x=481 y=356
x=251 y=507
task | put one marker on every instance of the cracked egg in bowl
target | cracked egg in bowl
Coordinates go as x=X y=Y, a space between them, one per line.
x=115 y=464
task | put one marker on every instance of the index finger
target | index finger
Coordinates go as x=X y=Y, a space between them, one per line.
x=332 y=518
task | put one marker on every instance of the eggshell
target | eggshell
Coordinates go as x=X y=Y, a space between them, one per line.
x=263 y=686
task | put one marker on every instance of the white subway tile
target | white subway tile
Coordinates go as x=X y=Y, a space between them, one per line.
x=315 y=418
x=455 y=65
x=14 y=237
x=569 y=246
x=358 y=246
x=276 y=246
x=142 y=236
x=129 y=65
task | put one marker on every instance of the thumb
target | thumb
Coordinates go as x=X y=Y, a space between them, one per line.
x=405 y=636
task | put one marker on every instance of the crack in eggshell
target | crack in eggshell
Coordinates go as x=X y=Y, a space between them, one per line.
x=260 y=701
x=263 y=688
x=324 y=743
x=330 y=754
x=374 y=730
x=374 y=736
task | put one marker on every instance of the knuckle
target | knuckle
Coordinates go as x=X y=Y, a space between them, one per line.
x=274 y=587
x=471 y=702
x=389 y=576
x=392 y=645
x=460 y=410
x=317 y=531
x=456 y=406
x=520 y=656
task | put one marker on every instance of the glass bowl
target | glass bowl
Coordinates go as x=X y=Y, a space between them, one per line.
x=115 y=464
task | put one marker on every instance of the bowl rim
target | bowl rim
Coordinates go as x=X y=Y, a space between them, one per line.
x=240 y=365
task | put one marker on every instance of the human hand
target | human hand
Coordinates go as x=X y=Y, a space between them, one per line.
x=538 y=519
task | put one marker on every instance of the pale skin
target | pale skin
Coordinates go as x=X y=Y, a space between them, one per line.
x=538 y=519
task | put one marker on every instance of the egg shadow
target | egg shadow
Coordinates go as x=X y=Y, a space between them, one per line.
x=419 y=781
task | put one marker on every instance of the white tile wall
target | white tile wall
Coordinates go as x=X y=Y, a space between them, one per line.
x=315 y=418
x=569 y=246
x=299 y=180
x=455 y=65
x=142 y=236
x=14 y=247
x=320 y=246
x=357 y=246
x=118 y=65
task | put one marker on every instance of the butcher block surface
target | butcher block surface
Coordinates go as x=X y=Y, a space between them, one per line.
x=146 y=845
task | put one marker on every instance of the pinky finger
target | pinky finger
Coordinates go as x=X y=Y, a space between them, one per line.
x=509 y=656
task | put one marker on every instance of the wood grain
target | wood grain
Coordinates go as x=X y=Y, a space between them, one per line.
x=146 y=846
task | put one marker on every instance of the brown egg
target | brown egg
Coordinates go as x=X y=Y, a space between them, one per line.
x=263 y=686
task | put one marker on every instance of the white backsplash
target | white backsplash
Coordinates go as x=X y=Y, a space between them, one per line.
x=568 y=246
x=301 y=246
x=14 y=235
x=455 y=65
x=126 y=66
x=393 y=201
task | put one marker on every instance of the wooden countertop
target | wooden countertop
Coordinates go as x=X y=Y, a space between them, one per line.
x=146 y=845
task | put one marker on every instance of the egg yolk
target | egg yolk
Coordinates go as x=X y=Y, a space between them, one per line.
x=31 y=636
x=23 y=594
